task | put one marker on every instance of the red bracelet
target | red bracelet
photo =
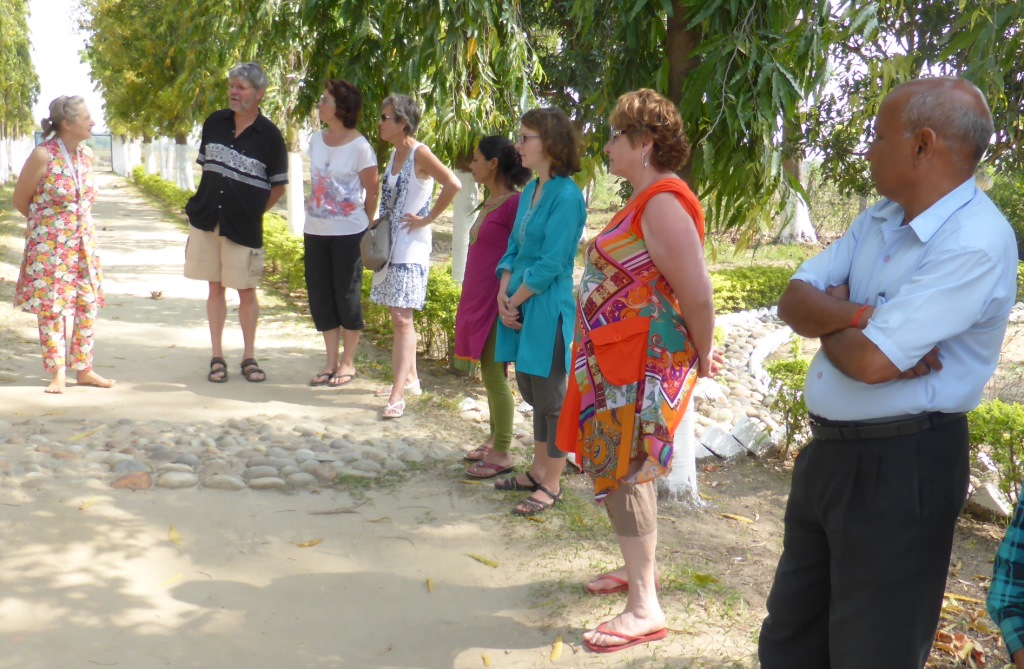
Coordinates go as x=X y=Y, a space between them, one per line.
x=856 y=315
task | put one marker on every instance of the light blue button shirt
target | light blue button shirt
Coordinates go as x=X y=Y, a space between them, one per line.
x=947 y=279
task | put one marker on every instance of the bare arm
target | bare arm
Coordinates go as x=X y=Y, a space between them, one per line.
x=676 y=250
x=368 y=179
x=28 y=181
x=815 y=313
x=428 y=165
x=275 y=194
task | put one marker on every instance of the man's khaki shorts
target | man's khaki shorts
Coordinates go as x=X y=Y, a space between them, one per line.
x=210 y=257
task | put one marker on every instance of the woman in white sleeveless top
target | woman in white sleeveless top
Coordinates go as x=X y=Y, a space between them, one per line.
x=408 y=183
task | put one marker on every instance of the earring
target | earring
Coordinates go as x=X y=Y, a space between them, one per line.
x=643 y=158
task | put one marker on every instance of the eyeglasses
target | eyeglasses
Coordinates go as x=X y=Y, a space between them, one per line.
x=385 y=117
x=614 y=134
x=523 y=139
x=327 y=100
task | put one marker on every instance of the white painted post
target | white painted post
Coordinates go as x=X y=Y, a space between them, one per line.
x=462 y=215
x=151 y=156
x=5 y=163
x=682 y=480
x=118 y=156
x=183 y=168
x=294 y=194
x=167 y=159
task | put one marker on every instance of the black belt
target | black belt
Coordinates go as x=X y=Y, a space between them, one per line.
x=853 y=431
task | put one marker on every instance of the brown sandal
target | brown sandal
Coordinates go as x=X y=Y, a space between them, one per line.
x=250 y=368
x=218 y=366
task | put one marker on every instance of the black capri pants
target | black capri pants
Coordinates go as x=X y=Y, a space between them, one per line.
x=334 y=281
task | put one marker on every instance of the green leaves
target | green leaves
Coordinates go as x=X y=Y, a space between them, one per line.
x=19 y=83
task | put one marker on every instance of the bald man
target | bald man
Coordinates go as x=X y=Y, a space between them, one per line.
x=910 y=306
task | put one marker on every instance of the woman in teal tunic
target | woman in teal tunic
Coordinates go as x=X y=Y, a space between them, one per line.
x=535 y=297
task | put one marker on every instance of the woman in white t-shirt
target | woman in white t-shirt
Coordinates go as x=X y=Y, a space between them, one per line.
x=342 y=199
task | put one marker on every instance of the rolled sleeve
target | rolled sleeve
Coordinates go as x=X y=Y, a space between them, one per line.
x=832 y=266
x=919 y=316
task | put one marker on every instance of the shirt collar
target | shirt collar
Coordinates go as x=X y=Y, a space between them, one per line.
x=256 y=124
x=931 y=219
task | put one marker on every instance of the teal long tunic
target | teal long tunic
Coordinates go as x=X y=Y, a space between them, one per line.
x=541 y=253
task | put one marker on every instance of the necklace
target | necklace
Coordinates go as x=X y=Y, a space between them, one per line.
x=73 y=166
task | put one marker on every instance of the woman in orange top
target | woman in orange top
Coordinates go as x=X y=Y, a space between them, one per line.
x=644 y=323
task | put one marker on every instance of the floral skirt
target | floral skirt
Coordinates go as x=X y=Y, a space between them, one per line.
x=405 y=287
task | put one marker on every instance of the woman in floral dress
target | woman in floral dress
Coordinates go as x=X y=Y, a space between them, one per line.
x=60 y=273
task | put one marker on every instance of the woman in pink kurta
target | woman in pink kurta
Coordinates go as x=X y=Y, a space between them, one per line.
x=497 y=166
x=60 y=272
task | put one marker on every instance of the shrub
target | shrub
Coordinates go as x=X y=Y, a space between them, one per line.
x=788 y=385
x=742 y=288
x=284 y=253
x=164 y=191
x=998 y=428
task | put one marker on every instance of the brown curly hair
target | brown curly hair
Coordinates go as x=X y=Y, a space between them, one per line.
x=646 y=112
x=560 y=138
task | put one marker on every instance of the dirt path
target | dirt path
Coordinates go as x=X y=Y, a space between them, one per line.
x=373 y=575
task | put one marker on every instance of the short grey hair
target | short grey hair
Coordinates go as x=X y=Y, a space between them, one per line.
x=252 y=73
x=62 y=108
x=952 y=117
x=406 y=109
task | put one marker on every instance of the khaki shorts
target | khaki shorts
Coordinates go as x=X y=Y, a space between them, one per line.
x=633 y=509
x=210 y=257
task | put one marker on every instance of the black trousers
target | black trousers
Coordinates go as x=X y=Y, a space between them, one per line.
x=334 y=281
x=868 y=534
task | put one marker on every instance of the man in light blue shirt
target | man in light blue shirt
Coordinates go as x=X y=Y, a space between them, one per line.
x=911 y=306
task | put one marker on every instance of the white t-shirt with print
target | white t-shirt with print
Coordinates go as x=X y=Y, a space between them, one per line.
x=335 y=204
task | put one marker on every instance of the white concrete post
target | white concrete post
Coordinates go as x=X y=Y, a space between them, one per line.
x=183 y=168
x=682 y=480
x=294 y=196
x=167 y=159
x=462 y=214
x=118 y=156
x=150 y=156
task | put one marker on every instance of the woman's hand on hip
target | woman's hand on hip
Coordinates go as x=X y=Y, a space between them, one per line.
x=412 y=222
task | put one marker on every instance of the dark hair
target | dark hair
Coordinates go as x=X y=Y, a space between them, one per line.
x=510 y=164
x=560 y=138
x=646 y=112
x=405 y=109
x=348 y=101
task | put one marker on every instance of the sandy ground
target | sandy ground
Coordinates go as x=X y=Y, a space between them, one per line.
x=363 y=576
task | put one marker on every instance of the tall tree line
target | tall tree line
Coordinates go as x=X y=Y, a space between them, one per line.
x=19 y=83
x=761 y=85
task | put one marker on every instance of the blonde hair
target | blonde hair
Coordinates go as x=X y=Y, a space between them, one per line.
x=63 y=108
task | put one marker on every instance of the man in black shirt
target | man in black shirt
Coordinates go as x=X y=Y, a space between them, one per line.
x=245 y=169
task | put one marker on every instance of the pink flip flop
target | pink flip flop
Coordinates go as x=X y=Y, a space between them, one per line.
x=490 y=470
x=621 y=585
x=630 y=640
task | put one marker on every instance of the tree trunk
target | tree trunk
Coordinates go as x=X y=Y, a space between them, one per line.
x=118 y=156
x=295 y=197
x=166 y=160
x=796 y=217
x=150 y=151
x=183 y=175
x=462 y=216
x=679 y=44
x=5 y=162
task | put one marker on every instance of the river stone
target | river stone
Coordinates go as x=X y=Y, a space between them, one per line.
x=395 y=466
x=252 y=473
x=267 y=483
x=34 y=480
x=128 y=467
x=223 y=482
x=258 y=461
x=367 y=466
x=177 y=480
x=190 y=459
x=133 y=481
x=303 y=454
x=324 y=473
x=301 y=480
x=174 y=467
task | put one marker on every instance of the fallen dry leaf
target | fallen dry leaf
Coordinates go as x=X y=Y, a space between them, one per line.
x=733 y=516
x=964 y=598
x=171 y=580
x=430 y=585
x=482 y=560
x=83 y=435
x=556 y=648
x=536 y=519
x=173 y=535
x=308 y=544
x=487 y=660
x=469 y=482
x=87 y=503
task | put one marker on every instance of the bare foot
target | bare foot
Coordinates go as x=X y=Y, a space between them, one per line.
x=89 y=377
x=57 y=383
x=627 y=625
x=611 y=582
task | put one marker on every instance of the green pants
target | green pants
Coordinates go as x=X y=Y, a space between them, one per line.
x=500 y=402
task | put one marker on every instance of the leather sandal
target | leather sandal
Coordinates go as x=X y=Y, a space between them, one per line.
x=534 y=505
x=512 y=485
x=217 y=366
x=250 y=368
